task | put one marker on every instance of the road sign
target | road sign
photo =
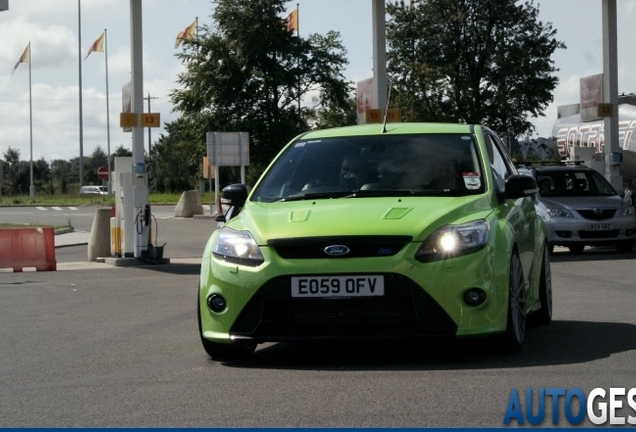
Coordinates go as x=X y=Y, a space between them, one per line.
x=102 y=172
x=228 y=148
x=605 y=110
x=127 y=120
x=150 y=120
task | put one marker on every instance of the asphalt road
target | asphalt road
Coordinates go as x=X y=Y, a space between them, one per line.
x=106 y=346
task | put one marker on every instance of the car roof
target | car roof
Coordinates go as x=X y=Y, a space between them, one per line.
x=391 y=128
x=561 y=168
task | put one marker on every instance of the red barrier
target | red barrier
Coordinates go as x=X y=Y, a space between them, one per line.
x=27 y=247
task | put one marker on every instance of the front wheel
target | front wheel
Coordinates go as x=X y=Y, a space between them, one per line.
x=516 y=323
x=221 y=351
x=544 y=315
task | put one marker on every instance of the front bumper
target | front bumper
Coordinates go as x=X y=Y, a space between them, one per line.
x=573 y=231
x=421 y=300
x=405 y=310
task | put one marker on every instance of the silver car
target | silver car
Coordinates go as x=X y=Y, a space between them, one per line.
x=581 y=208
x=94 y=190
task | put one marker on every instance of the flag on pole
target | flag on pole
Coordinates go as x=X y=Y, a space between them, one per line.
x=186 y=34
x=97 y=46
x=24 y=58
x=292 y=20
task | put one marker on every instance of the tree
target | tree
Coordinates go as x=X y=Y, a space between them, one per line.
x=471 y=61
x=247 y=73
x=42 y=179
x=62 y=172
x=322 y=116
x=16 y=172
x=121 y=151
x=92 y=163
x=175 y=162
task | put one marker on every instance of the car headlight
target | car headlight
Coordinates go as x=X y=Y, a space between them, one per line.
x=557 y=212
x=454 y=240
x=237 y=247
x=629 y=210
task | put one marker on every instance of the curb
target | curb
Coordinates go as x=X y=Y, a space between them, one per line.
x=64 y=230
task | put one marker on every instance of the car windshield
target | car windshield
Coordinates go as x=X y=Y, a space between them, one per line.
x=573 y=183
x=363 y=166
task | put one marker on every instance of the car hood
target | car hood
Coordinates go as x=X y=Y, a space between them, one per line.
x=415 y=217
x=583 y=202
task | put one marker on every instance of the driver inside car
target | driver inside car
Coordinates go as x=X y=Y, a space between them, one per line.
x=354 y=172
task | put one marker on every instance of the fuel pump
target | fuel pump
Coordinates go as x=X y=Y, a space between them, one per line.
x=142 y=209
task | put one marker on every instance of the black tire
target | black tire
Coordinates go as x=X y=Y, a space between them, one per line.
x=576 y=249
x=551 y=249
x=516 y=323
x=624 y=247
x=544 y=315
x=221 y=351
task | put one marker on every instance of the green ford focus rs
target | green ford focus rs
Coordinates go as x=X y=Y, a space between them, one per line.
x=411 y=230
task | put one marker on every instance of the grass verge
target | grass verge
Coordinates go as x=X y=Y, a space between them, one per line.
x=76 y=200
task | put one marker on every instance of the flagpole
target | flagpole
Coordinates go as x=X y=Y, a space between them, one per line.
x=298 y=35
x=31 y=188
x=81 y=126
x=107 y=112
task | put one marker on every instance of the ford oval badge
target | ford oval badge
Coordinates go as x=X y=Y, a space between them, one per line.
x=336 y=250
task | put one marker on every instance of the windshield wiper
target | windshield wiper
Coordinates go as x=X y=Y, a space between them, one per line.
x=395 y=192
x=366 y=193
x=319 y=195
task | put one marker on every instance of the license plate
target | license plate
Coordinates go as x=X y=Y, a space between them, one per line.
x=593 y=227
x=337 y=286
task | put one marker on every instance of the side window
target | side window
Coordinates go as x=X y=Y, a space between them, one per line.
x=499 y=162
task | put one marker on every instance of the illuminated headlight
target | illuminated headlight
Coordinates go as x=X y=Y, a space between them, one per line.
x=454 y=240
x=557 y=212
x=629 y=210
x=237 y=247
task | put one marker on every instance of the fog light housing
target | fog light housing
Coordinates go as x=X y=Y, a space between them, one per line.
x=630 y=232
x=474 y=296
x=216 y=303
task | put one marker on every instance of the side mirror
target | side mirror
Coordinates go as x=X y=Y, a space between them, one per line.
x=234 y=195
x=519 y=186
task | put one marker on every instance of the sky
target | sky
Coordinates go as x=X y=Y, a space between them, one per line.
x=51 y=26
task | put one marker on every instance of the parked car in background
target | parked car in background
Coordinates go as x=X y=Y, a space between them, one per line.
x=581 y=208
x=365 y=233
x=94 y=190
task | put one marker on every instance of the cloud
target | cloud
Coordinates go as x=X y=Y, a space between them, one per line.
x=51 y=45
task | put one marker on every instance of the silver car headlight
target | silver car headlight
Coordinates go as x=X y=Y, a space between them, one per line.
x=237 y=247
x=454 y=240
x=629 y=210
x=559 y=212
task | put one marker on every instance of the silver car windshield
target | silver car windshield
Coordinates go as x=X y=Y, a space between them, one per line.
x=573 y=183
x=394 y=165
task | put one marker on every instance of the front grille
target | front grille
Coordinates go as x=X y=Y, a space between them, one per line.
x=597 y=234
x=359 y=246
x=405 y=310
x=597 y=214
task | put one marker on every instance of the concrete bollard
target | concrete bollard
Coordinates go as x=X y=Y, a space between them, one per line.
x=189 y=204
x=99 y=241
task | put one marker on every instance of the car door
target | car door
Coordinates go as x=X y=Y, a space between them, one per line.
x=519 y=213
